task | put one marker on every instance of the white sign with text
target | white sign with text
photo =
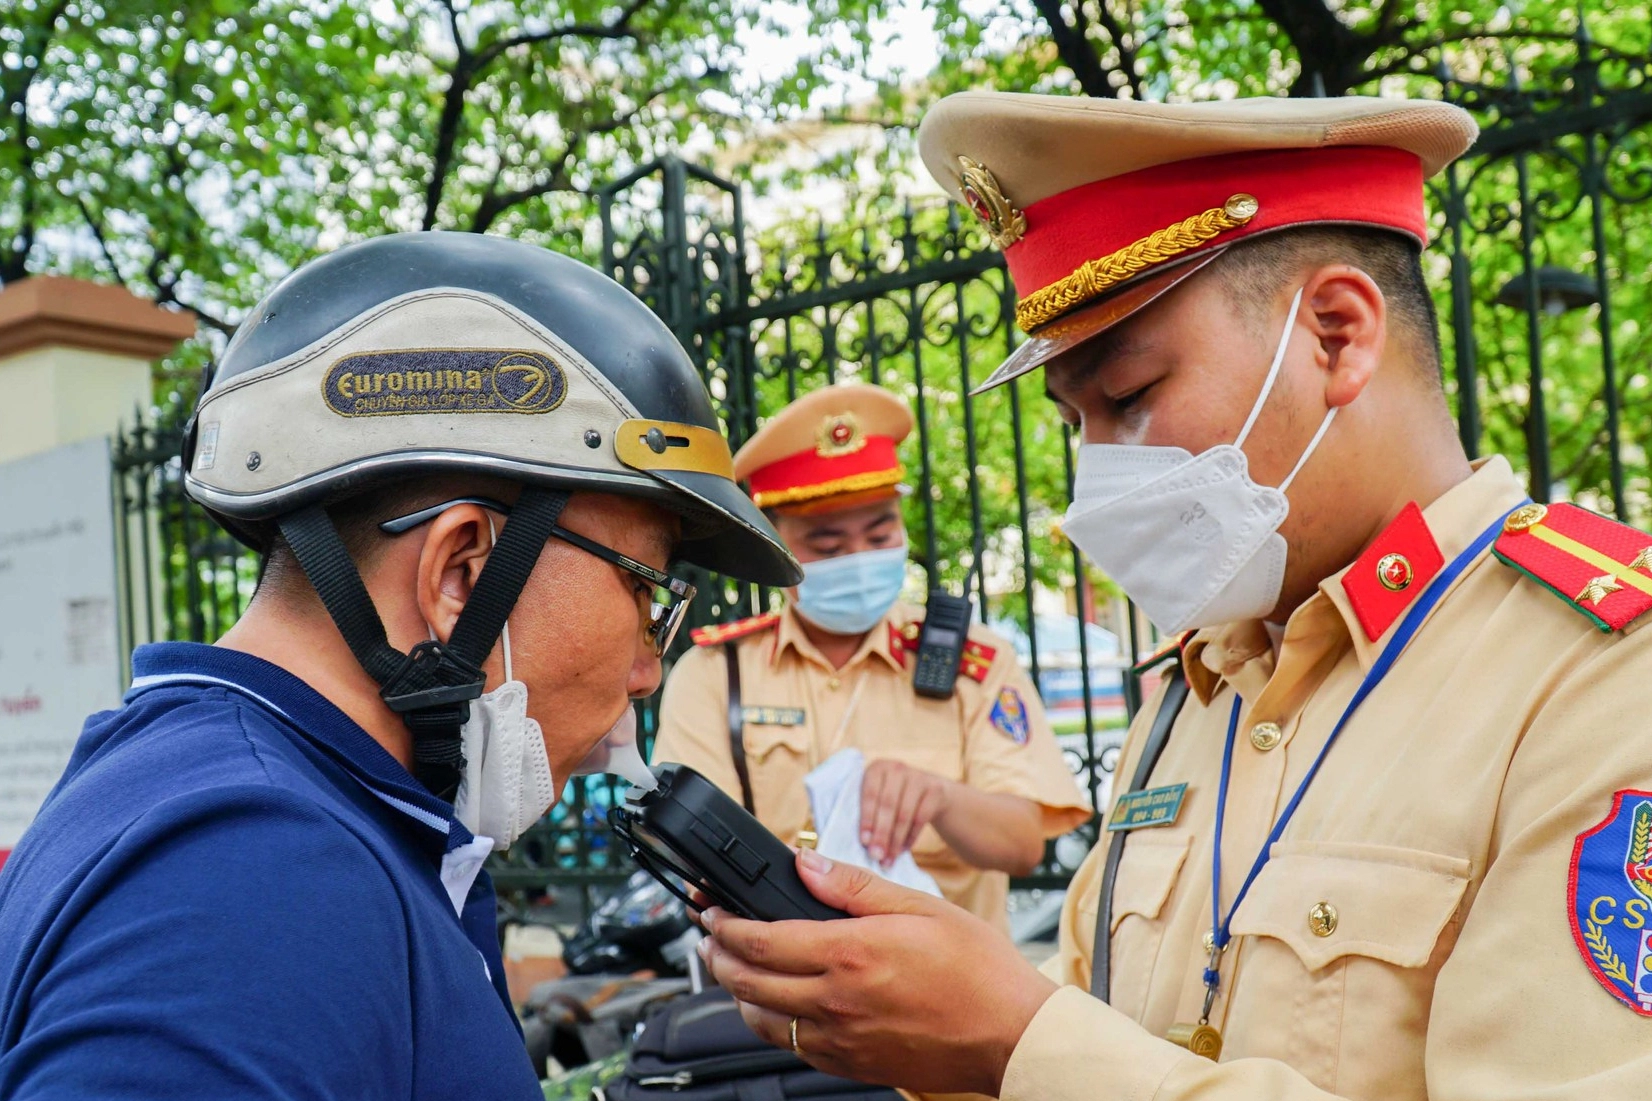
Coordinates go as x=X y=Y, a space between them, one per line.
x=59 y=647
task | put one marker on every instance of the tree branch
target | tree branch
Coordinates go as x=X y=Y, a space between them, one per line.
x=1075 y=50
x=14 y=261
x=1323 y=43
x=1127 y=56
x=96 y=226
x=1418 y=51
x=453 y=27
x=495 y=203
x=447 y=129
x=619 y=28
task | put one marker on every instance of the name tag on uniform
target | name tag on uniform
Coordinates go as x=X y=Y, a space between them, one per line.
x=1152 y=807
x=772 y=716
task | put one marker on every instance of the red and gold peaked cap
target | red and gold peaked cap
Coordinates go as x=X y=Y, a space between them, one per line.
x=832 y=448
x=1101 y=205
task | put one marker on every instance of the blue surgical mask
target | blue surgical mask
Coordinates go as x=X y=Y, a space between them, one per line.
x=847 y=595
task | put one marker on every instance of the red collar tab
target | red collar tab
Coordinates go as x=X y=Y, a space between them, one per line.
x=716 y=633
x=1388 y=575
x=1598 y=566
x=904 y=640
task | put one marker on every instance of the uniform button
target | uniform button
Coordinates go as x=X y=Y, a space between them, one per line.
x=1209 y=941
x=1322 y=919
x=833 y=684
x=1264 y=736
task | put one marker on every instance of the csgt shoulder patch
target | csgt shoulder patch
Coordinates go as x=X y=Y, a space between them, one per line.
x=443 y=380
x=1009 y=716
x=1598 y=566
x=1609 y=897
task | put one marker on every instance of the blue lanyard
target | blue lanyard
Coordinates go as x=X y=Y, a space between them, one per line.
x=1379 y=669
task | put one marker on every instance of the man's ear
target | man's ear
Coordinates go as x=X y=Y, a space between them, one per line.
x=1348 y=315
x=454 y=552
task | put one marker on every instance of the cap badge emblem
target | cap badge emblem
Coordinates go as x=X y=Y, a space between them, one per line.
x=1005 y=224
x=840 y=434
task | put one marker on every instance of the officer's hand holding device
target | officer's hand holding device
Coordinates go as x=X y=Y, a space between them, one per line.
x=687 y=828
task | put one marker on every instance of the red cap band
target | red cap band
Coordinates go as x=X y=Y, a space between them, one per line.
x=809 y=475
x=1343 y=185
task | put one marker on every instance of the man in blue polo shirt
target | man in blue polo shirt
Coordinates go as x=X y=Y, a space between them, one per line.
x=468 y=463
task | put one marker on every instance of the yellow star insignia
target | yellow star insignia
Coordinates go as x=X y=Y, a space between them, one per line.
x=1598 y=589
x=1643 y=560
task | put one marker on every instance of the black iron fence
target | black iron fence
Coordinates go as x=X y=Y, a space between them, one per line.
x=1543 y=238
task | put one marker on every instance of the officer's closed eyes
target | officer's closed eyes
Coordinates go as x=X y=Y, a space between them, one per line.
x=876 y=527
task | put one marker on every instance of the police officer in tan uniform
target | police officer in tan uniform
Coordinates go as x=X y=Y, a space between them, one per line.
x=1387 y=831
x=972 y=785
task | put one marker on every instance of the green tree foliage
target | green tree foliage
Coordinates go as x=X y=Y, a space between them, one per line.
x=197 y=150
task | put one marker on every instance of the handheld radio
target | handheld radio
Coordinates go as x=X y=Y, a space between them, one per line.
x=688 y=829
x=941 y=644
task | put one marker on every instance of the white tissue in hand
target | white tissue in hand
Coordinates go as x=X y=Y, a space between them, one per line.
x=834 y=799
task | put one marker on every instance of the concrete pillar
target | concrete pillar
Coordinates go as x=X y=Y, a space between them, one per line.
x=76 y=359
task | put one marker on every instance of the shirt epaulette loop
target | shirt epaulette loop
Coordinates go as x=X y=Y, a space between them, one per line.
x=1171 y=647
x=713 y=634
x=1597 y=565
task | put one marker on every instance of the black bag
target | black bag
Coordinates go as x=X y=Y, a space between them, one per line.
x=698 y=1049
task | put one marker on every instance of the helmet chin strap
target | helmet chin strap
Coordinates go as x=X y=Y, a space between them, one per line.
x=431 y=686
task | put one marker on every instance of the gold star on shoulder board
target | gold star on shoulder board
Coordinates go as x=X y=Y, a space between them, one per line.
x=1598 y=589
x=1643 y=560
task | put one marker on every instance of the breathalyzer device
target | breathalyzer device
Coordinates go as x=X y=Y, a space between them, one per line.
x=688 y=829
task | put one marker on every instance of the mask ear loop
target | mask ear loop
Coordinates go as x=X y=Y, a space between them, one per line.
x=1325 y=424
x=1273 y=372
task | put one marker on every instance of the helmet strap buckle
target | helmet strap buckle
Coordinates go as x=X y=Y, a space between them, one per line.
x=433 y=678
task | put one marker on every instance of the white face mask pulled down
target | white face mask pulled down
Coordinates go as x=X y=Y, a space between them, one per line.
x=507 y=784
x=1191 y=539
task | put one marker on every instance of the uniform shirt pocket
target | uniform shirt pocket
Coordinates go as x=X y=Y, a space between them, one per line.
x=1151 y=865
x=1330 y=900
x=762 y=739
x=1149 y=869
x=1341 y=942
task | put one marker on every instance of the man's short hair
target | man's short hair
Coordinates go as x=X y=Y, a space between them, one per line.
x=1254 y=272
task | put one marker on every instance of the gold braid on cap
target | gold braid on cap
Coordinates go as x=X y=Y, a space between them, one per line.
x=1096 y=277
x=852 y=483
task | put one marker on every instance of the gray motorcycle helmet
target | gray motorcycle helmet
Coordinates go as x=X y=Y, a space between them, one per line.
x=437 y=353
x=421 y=353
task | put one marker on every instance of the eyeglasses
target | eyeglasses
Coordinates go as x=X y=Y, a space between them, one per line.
x=671 y=595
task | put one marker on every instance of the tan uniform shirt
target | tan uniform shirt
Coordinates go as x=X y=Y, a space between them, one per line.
x=810 y=703
x=1440 y=829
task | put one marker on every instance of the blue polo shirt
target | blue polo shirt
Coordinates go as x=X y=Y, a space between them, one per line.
x=234 y=891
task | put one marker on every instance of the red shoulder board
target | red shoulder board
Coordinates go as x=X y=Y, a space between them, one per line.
x=977 y=661
x=714 y=633
x=1598 y=566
